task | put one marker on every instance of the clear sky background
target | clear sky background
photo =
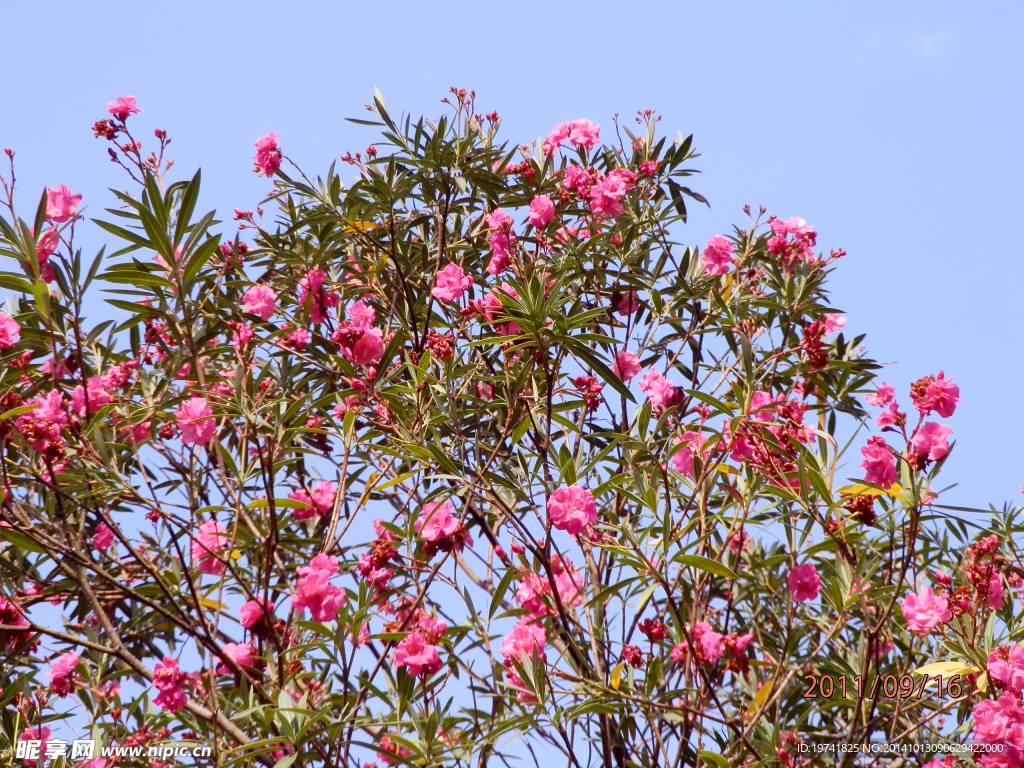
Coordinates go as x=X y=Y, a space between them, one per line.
x=894 y=128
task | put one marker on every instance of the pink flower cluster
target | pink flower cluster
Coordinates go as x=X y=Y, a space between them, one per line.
x=525 y=639
x=169 y=679
x=323 y=300
x=260 y=300
x=925 y=610
x=440 y=529
x=196 y=422
x=572 y=509
x=661 y=392
x=450 y=283
x=211 y=539
x=708 y=644
x=360 y=342
x=315 y=592
x=804 y=583
x=1006 y=667
x=61 y=205
x=62 y=674
x=417 y=651
x=268 y=156
x=798 y=248
x=999 y=731
x=321 y=500
x=581 y=132
x=535 y=594
x=718 y=255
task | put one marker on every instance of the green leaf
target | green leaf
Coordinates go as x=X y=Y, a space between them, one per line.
x=500 y=590
x=282 y=503
x=714 y=759
x=17 y=411
x=20 y=540
x=706 y=564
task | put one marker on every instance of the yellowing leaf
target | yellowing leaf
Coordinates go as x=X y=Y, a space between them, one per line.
x=860 y=490
x=761 y=697
x=983 y=682
x=947 y=668
x=235 y=555
x=361 y=226
x=725 y=469
x=616 y=678
x=727 y=291
x=895 y=490
x=208 y=603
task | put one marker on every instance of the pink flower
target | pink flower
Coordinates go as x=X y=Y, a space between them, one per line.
x=542 y=211
x=103 y=537
x=361 y=315
x=498 y=220
x=61 y=205
x=122 y=107
x=605 y=195
x=297 y=339
x=682 y=460
x=996 y=593
x=252 y=612
x=242 y=335
x=711 y=643
x=576 y=177
x=41 y=734
x=96 y=395
x=315 y=592
x=524 y=637
x=168 y=678
x=501 y=252
x=268 y=156
x=627 y=304
x=1006 y=665
x=558 y=134
x=437 y=522
x=882 y=396
x=999 y=731
x=879 y=468
x=626 y=365
x=10 y=331
x=718 y=255
x=239 y=653
x=930 y=439
x=63 y=667
x=535 y=587
x=804 y=583
x=584 y=133
x=417 y=655
x=450 y=283
x=935 y=393
x=323 y=300
x=572 y=509
x=925 y=610
x=211 y=539
x=321 y=501
x=833 y=323
x=195 y=419
x=890 y=415
x=661 y=392
x=260 y=300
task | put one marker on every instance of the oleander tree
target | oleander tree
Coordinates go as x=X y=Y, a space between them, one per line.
x=458 y=455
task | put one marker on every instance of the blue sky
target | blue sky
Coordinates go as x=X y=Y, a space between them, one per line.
x=895 y=131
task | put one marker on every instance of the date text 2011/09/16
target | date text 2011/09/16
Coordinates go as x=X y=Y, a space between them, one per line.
x=905 y=687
